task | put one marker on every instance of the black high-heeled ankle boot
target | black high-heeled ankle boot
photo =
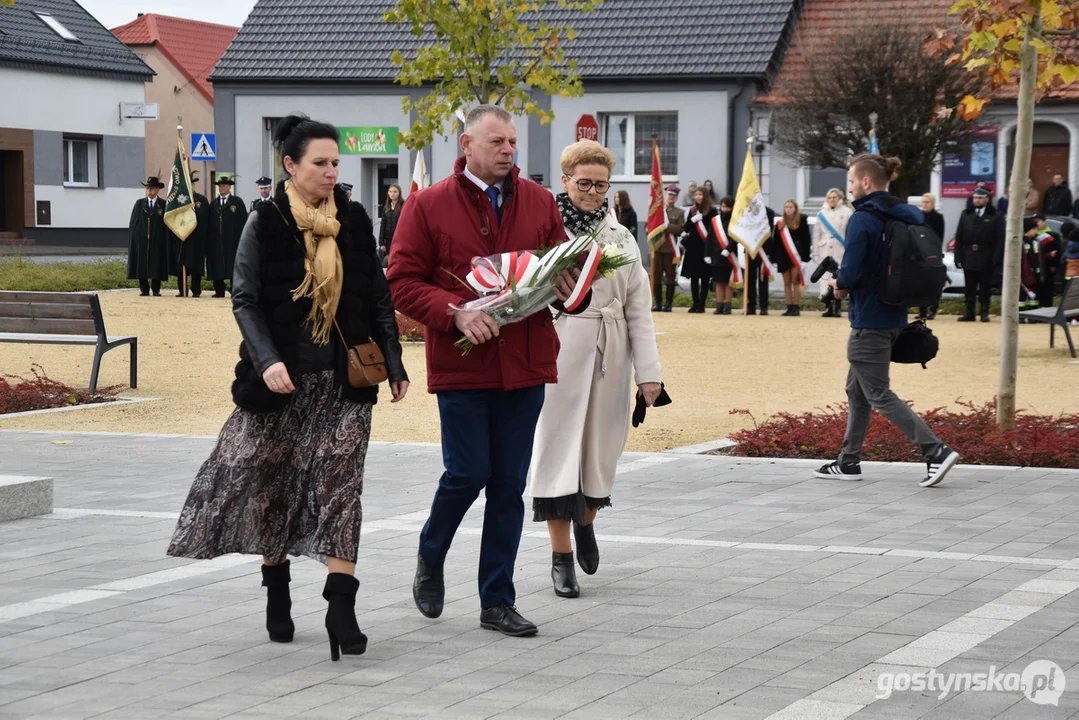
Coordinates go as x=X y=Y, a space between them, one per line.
x=345 y=634
x=564 y=575
x=275 y=578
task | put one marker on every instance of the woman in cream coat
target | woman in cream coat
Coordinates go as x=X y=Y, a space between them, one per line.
x=583 y=428
x=835 y=213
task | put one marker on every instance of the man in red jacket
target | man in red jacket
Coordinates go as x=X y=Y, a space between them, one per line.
x=489 y=400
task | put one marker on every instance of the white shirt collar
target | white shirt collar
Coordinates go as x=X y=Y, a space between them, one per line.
x=224 y=198
x=483 y=186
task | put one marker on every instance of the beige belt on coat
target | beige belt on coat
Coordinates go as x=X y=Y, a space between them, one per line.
x=611 y=315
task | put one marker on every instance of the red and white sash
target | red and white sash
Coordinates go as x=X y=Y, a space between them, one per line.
x=725 y=244
x=767 y=268
x=791 y=250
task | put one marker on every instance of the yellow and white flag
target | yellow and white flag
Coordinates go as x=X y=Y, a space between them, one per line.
x=749 y=221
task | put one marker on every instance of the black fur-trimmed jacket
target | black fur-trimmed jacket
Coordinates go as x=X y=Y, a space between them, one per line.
x=270 y=266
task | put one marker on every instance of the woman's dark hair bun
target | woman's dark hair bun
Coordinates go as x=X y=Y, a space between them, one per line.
x=284 y=128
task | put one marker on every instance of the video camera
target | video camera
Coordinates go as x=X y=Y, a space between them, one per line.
x=830 y=266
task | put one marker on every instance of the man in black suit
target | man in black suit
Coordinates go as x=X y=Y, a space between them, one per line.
x=979 y=243
x=228 y=215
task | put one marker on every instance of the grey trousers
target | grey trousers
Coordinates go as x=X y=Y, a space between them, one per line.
x=870 y=354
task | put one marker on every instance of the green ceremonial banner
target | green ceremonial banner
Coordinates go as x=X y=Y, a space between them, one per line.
x=180 y=202
x=368 y=140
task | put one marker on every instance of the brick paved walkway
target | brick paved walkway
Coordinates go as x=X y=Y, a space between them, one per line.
x=728 y=589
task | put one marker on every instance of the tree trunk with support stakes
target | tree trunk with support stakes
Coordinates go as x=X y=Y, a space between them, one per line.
x=1009 y=301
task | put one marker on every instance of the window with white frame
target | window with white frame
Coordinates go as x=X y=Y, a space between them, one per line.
x=629 y=136
x=80 y=162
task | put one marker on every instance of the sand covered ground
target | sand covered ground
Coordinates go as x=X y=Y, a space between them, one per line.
x=711 y=364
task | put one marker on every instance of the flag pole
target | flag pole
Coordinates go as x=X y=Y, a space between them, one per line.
x=179 y=259
x=750 y=139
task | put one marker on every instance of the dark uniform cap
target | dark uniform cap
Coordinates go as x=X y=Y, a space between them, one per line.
x=982 y=192
x=263 y=182
x=346 y=187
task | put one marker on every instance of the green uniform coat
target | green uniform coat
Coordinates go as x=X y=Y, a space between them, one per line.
x=147 y=247
x=226 y=224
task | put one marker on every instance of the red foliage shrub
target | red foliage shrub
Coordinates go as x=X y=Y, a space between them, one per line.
x=1036 y=441
x=40 y=393
x=409 y=329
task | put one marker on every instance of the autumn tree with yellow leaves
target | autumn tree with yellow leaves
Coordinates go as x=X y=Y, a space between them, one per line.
x=1037 y=43
x=483 y=51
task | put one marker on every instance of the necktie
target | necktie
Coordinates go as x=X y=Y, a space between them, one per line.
x=492 y=195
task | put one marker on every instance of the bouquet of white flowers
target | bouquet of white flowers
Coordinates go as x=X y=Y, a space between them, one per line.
x=515 y=285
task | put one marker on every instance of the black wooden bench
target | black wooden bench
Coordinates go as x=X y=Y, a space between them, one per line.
x=1068 y=309
x=57 y=318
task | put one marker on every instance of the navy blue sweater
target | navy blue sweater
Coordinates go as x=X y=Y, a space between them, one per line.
x=863 y=260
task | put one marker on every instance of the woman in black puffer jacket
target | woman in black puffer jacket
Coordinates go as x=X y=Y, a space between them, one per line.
x=286 y=474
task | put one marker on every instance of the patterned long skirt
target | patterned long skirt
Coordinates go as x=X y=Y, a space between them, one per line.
x=282 y=483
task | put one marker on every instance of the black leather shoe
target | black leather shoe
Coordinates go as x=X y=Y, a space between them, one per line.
x=587 y=549
x=564 y=576
x=428 y=589
x=506 y=620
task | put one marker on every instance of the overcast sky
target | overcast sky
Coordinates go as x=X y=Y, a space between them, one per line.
x=112 y=13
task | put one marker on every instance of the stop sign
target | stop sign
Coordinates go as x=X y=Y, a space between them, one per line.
x=587 y=128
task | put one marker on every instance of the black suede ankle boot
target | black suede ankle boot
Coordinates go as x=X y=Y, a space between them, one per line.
x=345 y=634
x=275 y=578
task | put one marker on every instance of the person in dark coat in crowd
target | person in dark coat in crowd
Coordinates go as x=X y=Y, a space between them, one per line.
x=978 y=239
x=390 y=214
x=286 y=475
x=701 y=248
x=190 y=254
x=489 y=400
x=723 y=262
x=228 y=214
x=1030 y=266
x=935 y=221
x=797 y=224
x=624 y=212
x=1050 y=245
x=148 y=243
x=264 y=185
x=1058 y=198
x=758 y=278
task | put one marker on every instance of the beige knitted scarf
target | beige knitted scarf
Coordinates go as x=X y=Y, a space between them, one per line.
x=325 y=273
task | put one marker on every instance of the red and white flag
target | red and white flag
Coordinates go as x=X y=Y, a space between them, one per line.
x=420 y=180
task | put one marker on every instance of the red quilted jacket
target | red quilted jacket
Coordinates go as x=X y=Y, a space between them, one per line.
x=440 y=230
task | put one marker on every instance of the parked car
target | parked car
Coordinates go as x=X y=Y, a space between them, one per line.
x=956 y=283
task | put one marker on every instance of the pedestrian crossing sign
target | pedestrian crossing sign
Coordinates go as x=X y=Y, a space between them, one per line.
x=204 y=146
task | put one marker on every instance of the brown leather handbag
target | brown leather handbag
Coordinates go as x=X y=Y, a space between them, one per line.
x=366 y=364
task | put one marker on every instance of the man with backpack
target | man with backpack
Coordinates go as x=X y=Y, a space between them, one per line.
x=879 y=289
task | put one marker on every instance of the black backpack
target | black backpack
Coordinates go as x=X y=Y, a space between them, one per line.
x=914 y=272
x=916 y=344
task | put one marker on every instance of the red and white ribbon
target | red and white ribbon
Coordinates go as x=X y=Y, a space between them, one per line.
x=792 y=251
x=701 y=230
x=767 y=268
x=725 y=244
x=584 y=282
x=1044 y=238
x=513 y=269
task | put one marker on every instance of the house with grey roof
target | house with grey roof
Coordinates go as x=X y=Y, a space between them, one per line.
x=681 y=69
x=70 y=164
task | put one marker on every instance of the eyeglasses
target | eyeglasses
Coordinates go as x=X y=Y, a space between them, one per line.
x=585 y=185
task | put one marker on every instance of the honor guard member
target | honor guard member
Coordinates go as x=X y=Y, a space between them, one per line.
x=979 y=244
x=265 y=186
x=666 y=264
x=147 y=248
x=190 y=255
x=227 y=218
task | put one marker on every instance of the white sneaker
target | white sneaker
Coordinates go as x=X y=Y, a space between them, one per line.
x=939 y=466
